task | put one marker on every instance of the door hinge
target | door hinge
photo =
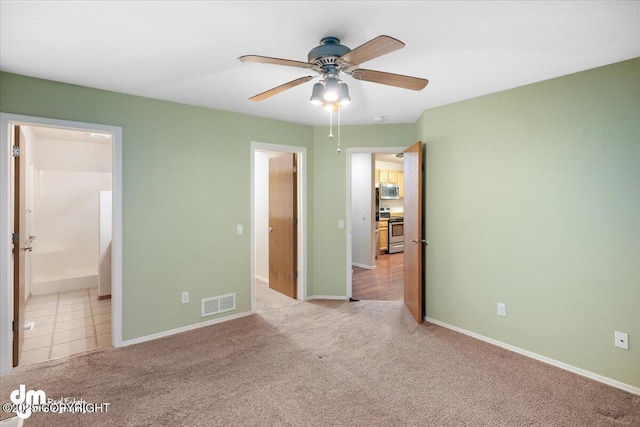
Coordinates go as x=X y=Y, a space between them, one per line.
x=15 y=326
x=295 y=274
x=295 y=222
x=15 y=151
x=295 y=169
x=15 y=239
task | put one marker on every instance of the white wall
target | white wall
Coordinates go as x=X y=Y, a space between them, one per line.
x=68 y=178
x=262 y=215
x=389 y=166
x=73 y=155
x=362 y=219
x=396 y=205
x=27 y=151
x=105 y=220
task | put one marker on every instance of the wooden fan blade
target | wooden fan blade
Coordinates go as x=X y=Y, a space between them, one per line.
x=276 y=90
x=398 y=80
x=374 y=48
x=275 y=61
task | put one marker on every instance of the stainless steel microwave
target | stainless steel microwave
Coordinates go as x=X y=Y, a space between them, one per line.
x=389 y=191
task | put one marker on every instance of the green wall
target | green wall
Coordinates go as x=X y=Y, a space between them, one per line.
x=186 y=173
x=532 y=195
x=533 y=200
x=179 y=229
x=330 y=196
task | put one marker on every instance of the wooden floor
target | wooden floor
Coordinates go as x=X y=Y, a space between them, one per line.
x=384 y=283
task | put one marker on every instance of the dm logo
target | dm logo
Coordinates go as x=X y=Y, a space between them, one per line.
x=26 y=400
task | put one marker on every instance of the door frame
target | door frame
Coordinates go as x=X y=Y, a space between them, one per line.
x=349 y=152
x=6 y=278
x=301 y=152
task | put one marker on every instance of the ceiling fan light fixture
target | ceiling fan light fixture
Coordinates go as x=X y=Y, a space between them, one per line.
x=343 y=94
x=316 y=94
x=329 y=106
x=331 y=89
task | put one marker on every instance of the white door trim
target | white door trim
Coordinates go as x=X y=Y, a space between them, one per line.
x=302 y=215
x=6 y=265
x=371 y=150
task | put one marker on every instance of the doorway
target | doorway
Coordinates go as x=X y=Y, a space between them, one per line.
x=68 y=194
x=262 y=232
x=375 y=262
x=61 y=286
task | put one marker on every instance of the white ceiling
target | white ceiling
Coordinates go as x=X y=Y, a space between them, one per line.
x=43 y=132
x=386 y=157
x=187 y=52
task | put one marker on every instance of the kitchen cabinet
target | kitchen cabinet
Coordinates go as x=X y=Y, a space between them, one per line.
x=387 y=176
x=401 y=183
x=384 y=235
x=382 y=175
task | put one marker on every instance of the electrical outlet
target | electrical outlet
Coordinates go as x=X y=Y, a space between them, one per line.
x=185 y=297
x=341 y=224
x=502 y=309
x=239 y=229
x=622 y=340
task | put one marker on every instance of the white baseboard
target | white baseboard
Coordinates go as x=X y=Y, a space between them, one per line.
x=183 y=329
x=262 y=279
x=368 y=267
x=553 y=362
x=331 y=297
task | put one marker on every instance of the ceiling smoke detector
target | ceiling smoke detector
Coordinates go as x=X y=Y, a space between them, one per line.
x=378 y=119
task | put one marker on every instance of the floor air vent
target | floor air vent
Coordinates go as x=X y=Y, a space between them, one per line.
x=215 y=305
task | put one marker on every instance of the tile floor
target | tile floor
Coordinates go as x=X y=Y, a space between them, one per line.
x=65 y=323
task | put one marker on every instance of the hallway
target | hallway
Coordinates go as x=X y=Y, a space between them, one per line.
x=384 y=283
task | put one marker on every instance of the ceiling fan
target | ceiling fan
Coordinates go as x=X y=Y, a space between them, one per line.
x=329 y=59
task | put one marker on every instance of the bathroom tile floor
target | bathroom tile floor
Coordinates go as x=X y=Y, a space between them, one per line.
x=65 y=323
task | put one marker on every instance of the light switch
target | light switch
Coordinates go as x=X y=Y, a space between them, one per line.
x=239 y=229
x=341 y=224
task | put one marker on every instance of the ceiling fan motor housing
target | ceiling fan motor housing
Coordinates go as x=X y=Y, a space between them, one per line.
x=327 y=54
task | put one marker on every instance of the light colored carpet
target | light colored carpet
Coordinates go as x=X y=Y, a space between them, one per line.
x=322 y=363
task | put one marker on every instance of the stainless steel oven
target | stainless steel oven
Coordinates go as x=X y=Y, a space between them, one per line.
x=396 y=235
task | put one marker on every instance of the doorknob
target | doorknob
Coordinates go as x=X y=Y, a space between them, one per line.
x=270 y=229
x=416 y=241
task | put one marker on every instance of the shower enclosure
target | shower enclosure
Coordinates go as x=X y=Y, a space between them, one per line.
x=67 y=172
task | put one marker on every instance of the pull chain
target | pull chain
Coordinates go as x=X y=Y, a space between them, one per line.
x=331 y=125
x=339 y=150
